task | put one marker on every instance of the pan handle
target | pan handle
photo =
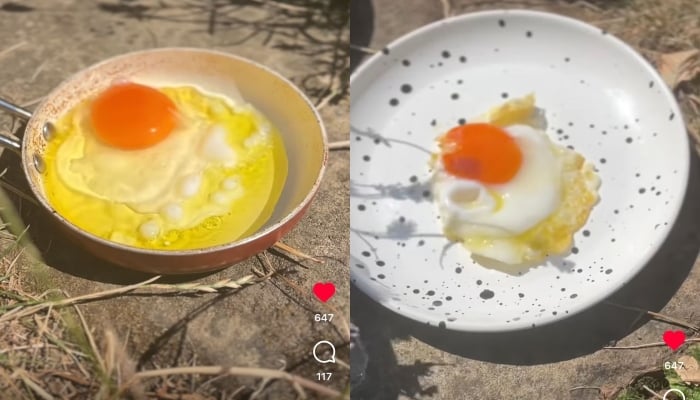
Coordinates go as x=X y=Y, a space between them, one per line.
x=17 y=111
x=7 y=141
x=10 y=143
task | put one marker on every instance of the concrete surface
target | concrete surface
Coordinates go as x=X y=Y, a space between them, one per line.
x=413 y=361
x=262 y=325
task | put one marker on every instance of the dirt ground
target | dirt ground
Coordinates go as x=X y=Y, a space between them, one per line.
x=269 y=324
x=565 y=360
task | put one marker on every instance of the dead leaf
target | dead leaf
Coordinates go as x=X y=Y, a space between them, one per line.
x=679 y=67
x=690 y=371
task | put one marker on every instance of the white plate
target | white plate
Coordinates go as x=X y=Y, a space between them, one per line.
x=608 y=102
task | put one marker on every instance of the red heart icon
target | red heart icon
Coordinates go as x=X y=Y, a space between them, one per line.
x=324 y=291
x=674 y=339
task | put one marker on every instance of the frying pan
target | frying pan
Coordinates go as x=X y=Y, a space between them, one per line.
x=279 y=100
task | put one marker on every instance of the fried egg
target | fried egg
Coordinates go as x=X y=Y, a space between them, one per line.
x=506 y=191
x=165 y=168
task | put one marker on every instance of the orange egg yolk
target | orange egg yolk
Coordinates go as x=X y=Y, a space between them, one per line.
x=130 y=116
x=481 y=152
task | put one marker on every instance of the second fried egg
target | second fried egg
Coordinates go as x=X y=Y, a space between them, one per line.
x=506 y=191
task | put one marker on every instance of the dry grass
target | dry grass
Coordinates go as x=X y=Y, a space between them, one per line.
x=37 y=360
x=48 y=350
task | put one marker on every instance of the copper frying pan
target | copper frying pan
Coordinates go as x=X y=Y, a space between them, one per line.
x=300 y=125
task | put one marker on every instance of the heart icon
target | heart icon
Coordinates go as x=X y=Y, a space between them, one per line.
x=674 y=339
x=325 y=290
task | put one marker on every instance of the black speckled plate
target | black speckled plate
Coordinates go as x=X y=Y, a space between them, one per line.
x=600 y=97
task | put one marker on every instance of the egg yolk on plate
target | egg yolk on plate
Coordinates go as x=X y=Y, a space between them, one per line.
x=165 y=168
x=481 y=152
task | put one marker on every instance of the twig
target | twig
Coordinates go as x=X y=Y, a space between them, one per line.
x=585 y=388
x=110 y=363
x=38 y=71
x=10 y=385
x=291 y=250
x=694 y=102
x=12 y=48
x=639 y=346
x=29 y=347
x=609 y=21
x=238 y=371
x=208 y=287
x=363 y=49
x=209 y=381
x=265 y=383
x=67 y=376
x=91 y=339
x=660 y=317
x=284 y=6
x=77 y=300
x=647 y=345
x=653 y=393
x=339 y=145
x=73 y=354
x=586 y=4
x=674 y=321
x=41 y=328
x=342 y=364
x=235 y=393
x=24 y=376
x=120 y=363
x=267 y=265
x=267 y=269
x=327 y=98
x=446 y=8
x=32 y=101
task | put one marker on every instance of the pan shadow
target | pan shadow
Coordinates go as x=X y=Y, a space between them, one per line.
x=55 y=249
x=578 y=335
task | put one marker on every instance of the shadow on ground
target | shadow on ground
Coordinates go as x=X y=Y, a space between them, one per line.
x=573 y=337
x=293 y=26
x=361 y=28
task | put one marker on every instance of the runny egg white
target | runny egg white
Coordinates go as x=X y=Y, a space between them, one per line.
x=506 y=191
x=165 y=168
